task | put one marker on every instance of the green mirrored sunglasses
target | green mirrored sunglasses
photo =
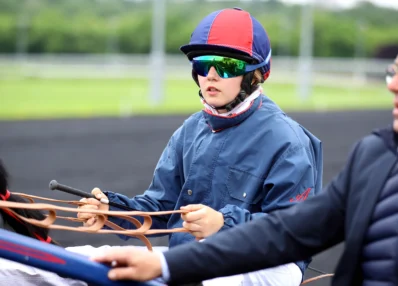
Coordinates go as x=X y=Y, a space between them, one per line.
x=226 y=67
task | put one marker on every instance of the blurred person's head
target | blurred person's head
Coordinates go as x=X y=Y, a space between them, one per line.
x=392 y=84
x=230 y=54
x=12 y=222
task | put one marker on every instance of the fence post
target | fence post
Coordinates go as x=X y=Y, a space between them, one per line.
x=157 y=57
x=305 y=58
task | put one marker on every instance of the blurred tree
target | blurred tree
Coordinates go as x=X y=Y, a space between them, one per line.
x=388 y=51
x=101 y=26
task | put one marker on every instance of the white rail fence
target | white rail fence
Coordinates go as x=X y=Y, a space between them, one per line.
x=325 y=71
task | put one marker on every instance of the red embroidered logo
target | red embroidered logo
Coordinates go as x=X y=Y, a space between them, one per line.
x=301 y=197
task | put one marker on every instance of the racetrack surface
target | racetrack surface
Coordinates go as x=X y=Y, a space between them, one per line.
x=120 y=154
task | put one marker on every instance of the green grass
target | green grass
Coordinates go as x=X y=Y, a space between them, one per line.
x=59 y=98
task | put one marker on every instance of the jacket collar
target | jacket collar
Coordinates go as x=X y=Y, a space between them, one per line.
x=218 y=123
x=389 y=137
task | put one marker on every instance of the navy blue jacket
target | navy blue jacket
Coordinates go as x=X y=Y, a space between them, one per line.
x=243 y=166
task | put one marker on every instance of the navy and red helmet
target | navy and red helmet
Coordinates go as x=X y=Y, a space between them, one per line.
x=234 y=33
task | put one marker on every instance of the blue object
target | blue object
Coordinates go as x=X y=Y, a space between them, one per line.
x=56 y=259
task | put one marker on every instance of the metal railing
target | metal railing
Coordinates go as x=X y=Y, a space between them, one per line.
x=324 y=71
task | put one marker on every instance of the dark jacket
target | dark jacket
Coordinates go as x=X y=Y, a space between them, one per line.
x=379 y=258
x=341 y=212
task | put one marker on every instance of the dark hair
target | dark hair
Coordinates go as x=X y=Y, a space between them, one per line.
x=19 y=226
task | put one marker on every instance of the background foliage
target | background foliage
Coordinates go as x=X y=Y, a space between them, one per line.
x=94 y=26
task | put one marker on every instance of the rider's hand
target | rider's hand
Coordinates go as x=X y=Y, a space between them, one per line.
x=93 y=204
x=131 y=263
x=202 y=221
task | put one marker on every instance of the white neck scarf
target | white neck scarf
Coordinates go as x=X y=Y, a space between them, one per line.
x=241 y=107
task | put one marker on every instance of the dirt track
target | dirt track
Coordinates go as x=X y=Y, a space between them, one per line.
x=120 y=155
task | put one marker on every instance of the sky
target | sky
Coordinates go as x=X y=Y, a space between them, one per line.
x=349 y=3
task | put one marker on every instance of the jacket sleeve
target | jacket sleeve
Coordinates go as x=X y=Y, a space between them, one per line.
x=163 y=191
x=283 y=236
x=292 y=179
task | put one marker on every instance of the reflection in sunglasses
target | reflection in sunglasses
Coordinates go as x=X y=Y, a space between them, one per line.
x=224 y=66
x=391 y=71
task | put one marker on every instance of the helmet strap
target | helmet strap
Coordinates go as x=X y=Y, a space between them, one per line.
x=246 y=89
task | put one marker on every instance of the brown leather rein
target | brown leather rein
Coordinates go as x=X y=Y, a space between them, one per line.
x=101 y=220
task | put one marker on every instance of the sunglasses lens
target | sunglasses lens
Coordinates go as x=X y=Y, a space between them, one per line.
x=388 y=79
x=225 y=67
x=390 y=73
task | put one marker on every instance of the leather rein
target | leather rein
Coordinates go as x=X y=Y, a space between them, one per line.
x=142 y=230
